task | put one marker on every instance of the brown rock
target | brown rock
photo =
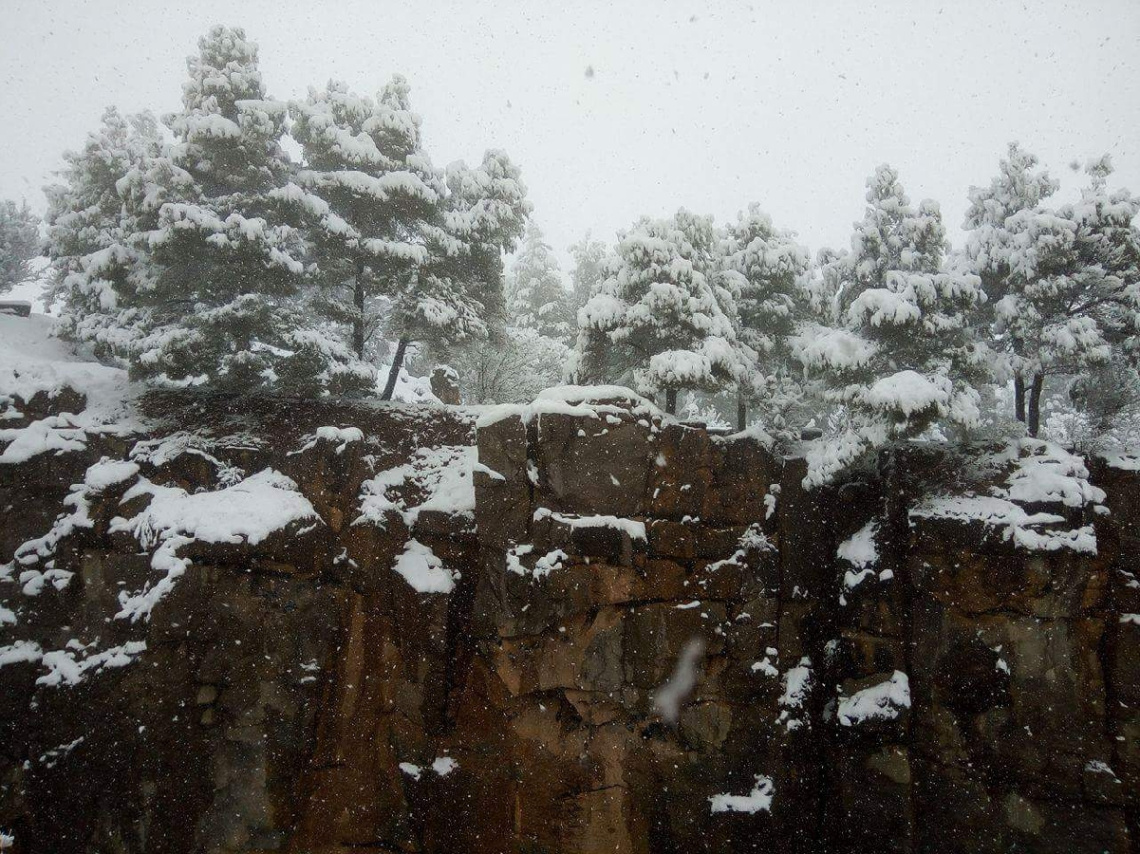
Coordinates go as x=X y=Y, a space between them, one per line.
x=592 y=466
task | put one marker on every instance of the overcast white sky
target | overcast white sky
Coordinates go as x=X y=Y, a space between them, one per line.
x=710 y=105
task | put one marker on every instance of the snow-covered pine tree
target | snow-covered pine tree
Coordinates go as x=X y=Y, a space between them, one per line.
x=536 y=297
x=893 y=237
x=222 y=306
x=666 y=321
x=370 y=196
x=589 y=268
x=904 y=356
x=19 y=243
x=457 y=294
x=588 y=361
x=1071 y=291
x=98 y=221
x=764 y=267
x=1021 y=185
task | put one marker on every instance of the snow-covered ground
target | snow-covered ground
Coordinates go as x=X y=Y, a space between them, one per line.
x=33 y=361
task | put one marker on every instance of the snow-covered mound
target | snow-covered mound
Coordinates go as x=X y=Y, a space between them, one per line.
x=234 y=482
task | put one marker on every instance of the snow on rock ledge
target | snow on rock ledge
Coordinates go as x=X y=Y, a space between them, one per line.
x=1038 y=474
x=576 y=400
x=860 y=552
x=435 y=479
x=633 y=528
x=760 y=798
x=248 y=511
x=883 y=701
x=425 y=572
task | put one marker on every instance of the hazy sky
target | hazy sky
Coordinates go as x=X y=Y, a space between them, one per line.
x=617 y=109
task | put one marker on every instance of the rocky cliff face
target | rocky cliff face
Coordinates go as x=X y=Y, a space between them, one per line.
x=570 y=627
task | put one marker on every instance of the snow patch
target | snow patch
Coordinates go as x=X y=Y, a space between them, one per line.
x=634 y=528
x=578 y=401
x=425 y=572
x=444 y=765
x=798 y=682
x=248 y=511
x=33 y=362
x=543 y=566
x=1042 y=473
x=879 y=702
x=441 y=476
x=760 y=798
x=340 y=436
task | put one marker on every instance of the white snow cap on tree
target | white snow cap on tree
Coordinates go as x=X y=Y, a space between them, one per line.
x=904 y=356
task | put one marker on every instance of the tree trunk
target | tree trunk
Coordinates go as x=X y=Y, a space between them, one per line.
x=1019 y=398
x=394 y=371
x=358 y=319
x=741 y=411
x=671 y=401
x=1034 y=414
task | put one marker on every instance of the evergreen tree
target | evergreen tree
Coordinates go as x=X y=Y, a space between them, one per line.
x=665 y=320
x=1021 y=186
x=19 y=243
x=892 y=238
x=457 y=293
x=588 y=361
x=371 y=196
x=1067 y=280
x=223 y=307
x=905 y=354
x=764 y=269
x=589 y=268
x=98 y=221
x=536 y=298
